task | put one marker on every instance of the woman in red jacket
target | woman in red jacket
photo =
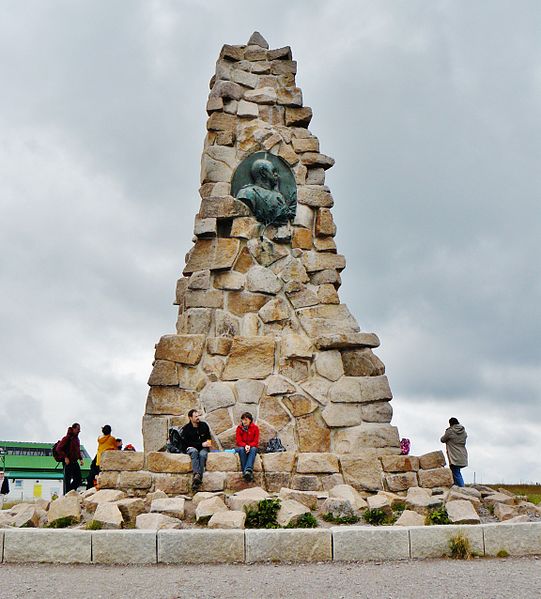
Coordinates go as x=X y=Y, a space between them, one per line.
x=247 y=442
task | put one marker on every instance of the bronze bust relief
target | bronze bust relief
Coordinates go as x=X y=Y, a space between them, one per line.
x=266 y=184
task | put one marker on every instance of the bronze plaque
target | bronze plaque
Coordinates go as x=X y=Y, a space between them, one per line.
x=266 y=184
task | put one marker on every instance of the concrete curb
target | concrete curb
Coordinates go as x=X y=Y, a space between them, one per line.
x=195 y=546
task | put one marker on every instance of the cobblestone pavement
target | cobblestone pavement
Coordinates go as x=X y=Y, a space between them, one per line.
x=516 y=578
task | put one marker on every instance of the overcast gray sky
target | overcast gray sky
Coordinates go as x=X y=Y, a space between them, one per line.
x=430 y=108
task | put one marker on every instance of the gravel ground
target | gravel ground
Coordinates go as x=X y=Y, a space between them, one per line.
x=516 y=578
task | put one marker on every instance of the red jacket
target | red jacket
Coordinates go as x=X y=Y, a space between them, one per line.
x=70 y=447
x=249 y=437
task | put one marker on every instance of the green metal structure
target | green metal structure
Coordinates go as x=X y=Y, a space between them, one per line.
x=24 y=460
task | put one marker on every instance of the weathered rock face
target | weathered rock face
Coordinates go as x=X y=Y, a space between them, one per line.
x=261 y=326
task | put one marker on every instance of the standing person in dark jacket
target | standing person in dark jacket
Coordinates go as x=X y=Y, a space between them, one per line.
x=69 y=449
x=196 y=439
x=455 y=440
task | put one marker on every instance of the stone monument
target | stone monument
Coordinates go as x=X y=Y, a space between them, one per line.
x=260 y=326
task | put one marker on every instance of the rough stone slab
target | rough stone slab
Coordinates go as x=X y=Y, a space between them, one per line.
x=433 y=541
x=317 y=463
x=213 y=481
x=296 y=545
x=124 y=547
x=362 y=471
x=362 y=543
x=366 y=436
x=314 y=195
x=342 y=414
x=437 y=477
x=290 y=509
x=122 y=460
x=400 y=463
x=213 y=254
x=47 y=546
x=410 y=518
x=169 y=506
x=516 y=538
x=329 y=364
x=400 y=481
x=170 y=400
x=222 y=207
x=186 y=349
x=108 y=515
x=349 y=493
x=200 y=546
x=433 y=459
x=246 y=498
x=64 y=507
x=156 y=522
x=461 y=511
x=222 y=462
x=278 y=462
x=161 y=461
x=173 y=484
x=307 y=498
x=229 y=519
x=347 y=340
x=250 y=357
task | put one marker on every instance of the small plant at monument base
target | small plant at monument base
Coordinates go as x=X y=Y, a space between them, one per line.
x=460 y=547
x=437 y=516
x=63 y=522
x=94 y=525
x=376 y=517
x=263 y=515
x=502 y=553
x=305 y=521
x=399 y=508
x=328 y=517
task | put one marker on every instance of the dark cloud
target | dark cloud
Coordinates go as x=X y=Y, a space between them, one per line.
x=432 y=111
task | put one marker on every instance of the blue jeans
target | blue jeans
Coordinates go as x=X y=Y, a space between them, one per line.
x=199 y=459
x=247 y=459
x=457 y=476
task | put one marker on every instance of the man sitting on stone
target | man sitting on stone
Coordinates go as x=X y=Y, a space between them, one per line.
x=196 y=439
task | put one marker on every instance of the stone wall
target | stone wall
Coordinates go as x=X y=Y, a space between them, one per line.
x=137 y=474
x=260 y=325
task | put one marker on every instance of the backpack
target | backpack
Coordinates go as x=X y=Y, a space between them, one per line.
x=175 y=443
x=274 y=445
x=55 y=453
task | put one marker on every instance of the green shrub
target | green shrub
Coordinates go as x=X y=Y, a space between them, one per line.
x=437 y=515
x=399 y=508
x=62 y=522
x=460 y=547
x=305 y=521
x=502 y=553
x=94 y=525
x=263 y=515
x=376 y=517
x=328 y=517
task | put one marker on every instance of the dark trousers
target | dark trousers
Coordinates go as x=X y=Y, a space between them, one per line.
x=72 y=476
x=94 y=471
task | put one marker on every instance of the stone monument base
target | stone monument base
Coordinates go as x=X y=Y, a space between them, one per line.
x=369 y=472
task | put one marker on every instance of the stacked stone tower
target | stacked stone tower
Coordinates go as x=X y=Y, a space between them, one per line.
x=260 y=325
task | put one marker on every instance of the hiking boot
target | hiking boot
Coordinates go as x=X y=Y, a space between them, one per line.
x=196 y=482
x=249 y=476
